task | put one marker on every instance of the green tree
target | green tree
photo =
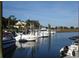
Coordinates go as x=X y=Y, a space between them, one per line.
x=56 y=27
x=61 y=27
x=4 y=22
x=11 y=22
x=32 y=23
x=65 y=27
x=72 y=27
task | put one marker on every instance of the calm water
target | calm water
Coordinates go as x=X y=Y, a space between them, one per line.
x=43 y=47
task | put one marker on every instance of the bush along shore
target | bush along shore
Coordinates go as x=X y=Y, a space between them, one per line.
x=67 y=30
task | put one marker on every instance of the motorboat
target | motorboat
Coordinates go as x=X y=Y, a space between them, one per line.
x=44 y=32
x=72 y=50
x=8 y=40
x=53 y=32
x=27 y=37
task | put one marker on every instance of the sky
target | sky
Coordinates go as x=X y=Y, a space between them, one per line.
x=46 y=12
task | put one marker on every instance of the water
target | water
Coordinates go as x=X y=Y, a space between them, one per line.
x=43 y=47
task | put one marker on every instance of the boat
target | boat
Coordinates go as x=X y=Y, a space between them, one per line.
x=44 y=32
x=74 y=37
x=26 y=37
x=8 y=40
x=72 y=49
x=53 y=31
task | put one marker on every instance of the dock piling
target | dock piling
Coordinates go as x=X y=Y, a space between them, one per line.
x=0 y=29
x=49 y=29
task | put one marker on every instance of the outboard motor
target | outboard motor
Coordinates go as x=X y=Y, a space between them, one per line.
x=63 y=51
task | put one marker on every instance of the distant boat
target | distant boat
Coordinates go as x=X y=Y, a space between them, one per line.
x=53 y=31
x=44 y=32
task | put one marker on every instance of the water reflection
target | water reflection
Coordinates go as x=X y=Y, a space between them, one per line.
x=43 y=47
x=27 y=49
x=32 y=49
x=25 y=45
x=8 y=52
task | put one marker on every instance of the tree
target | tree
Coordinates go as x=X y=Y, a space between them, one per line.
x=4 y=22
x=32 y=23
x=65 y=27
x=72 y=27
x=77 y=28
x=61 y=27
x=56 y=27
x=11 y=20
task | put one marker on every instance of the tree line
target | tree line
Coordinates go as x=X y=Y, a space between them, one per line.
x=12 y=20
x=9 y=22
x=65 y=27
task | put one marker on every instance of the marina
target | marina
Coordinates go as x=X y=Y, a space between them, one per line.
x=43 y=47
x=73 y=49
x=39 y=29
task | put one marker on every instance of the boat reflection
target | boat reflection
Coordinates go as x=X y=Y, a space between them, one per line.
x=28 y=47
x=25 y=45
x=39 y=48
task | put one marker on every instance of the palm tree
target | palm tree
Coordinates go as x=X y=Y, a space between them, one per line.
x=35 y=23
x=11 y=22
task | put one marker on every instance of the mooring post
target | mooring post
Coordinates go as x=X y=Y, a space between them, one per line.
x=0 y=29
x=49 y=29
x=78 y=44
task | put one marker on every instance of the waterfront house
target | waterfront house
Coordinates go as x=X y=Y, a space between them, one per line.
x=20 y=25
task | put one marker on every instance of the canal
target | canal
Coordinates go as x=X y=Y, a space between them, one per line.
x=43 y=47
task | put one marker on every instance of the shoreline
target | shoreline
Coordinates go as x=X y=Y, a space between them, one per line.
x=67 y=30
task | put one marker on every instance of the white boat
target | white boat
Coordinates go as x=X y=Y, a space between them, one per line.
x=44 y=32
x=52 y=31
x=18 y=33
x=72 y=49
x=27 y=37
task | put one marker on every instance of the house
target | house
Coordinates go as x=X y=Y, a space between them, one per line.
x=20 y=25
